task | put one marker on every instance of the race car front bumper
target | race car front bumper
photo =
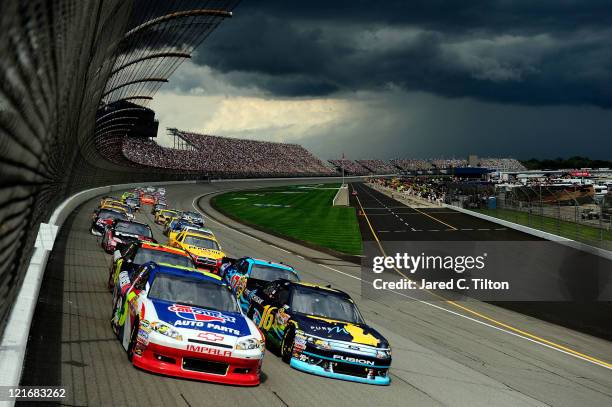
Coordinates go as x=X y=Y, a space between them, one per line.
x=326 y=366
x=320 y=371
x=198 y=366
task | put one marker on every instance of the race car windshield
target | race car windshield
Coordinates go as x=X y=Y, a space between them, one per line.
x=324 y=304
x=201 y=231
x=267 y=273
x=168 y=213
x=192 y=215
x=133 y=228
x=159 y=256
x=201 y=242
x=111 y=215
x=192 y=291
x=131 y=201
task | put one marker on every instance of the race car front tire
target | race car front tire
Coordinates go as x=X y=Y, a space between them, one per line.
x=286 y=349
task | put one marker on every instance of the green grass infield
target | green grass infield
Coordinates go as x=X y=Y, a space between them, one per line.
x=302 y=212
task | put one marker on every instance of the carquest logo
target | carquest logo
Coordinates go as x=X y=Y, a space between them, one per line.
x=198 y=314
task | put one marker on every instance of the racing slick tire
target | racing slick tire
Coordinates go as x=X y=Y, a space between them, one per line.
x=286 y=348
x=132 y=344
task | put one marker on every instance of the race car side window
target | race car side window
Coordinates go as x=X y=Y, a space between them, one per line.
x=243 y=266
x=282 y=295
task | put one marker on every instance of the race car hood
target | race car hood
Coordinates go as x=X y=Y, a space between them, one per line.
x=340 y=330
x=198 y=251
x=200 y=319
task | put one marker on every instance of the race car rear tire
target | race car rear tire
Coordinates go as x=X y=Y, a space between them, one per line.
x=286 y=348
x=132 y=344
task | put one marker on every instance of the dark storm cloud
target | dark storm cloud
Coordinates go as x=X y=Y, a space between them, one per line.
x=547 y=52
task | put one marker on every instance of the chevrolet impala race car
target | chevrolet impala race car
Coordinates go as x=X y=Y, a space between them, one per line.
x=121 y=232
x=180 y=322
x=245 y=275
x=139 y=253
x=319 y=330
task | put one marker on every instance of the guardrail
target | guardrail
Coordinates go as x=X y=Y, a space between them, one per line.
x=15 y=338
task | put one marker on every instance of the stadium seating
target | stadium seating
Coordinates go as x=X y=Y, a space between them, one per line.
x=228 y=157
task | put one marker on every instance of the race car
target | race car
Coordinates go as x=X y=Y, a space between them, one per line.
x=133 y=202
x=204 y=249
x=193 y=217
x=103 y=217
x=179 y=322
x=127 y=195
x=108 y=200
x=247 y=274
x=120 y=206
x=121 y=232
x=163 y=216
x=319 y=330
x=178 y=225
x=138 y=253
x=158 y=207
x=147 y=199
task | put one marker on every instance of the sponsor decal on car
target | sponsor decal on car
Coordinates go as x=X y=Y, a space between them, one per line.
x=209 y=351
x=198 y=314
x=210 y=336
x=353 y=360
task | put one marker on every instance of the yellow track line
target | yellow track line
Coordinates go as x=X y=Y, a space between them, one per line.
x=485 y=317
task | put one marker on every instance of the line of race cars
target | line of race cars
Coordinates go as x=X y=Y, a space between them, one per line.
x=185 y=309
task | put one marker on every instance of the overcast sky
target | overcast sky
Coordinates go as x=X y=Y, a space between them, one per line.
x=410 y=79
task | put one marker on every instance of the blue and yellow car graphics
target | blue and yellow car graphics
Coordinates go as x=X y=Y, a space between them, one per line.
x=319 y=330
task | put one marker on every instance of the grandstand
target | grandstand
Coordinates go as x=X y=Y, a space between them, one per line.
x=499 y=164
x=502 y=164
x=350 y=167
x=227 y=157
x=411 y=164
x=377 y=166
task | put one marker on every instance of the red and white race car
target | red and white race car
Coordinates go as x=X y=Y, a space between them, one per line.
x=180 y=322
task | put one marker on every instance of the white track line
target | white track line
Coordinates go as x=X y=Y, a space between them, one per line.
x=282 y=250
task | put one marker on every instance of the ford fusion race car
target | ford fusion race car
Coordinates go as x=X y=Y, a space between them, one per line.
x=103 y=217
x=180 y=322
x=245 y=275
x=319 y=330
x=121 y=232
x=139 y=253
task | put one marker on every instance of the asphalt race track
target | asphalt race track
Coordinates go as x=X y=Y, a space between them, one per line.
x=441 y=355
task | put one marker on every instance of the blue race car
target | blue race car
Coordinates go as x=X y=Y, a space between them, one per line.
x=247 y=274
